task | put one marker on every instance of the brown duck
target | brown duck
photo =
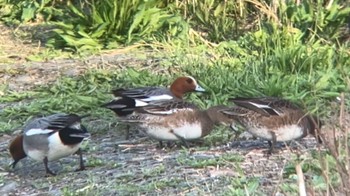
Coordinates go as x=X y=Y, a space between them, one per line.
x=177 y=120
x=273 y=119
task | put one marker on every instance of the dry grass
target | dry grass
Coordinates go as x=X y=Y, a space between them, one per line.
x=15 y=49
x=336 y=139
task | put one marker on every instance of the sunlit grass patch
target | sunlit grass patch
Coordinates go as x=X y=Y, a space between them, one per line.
x=244 y=186
x=220 y=135
x=202 y=161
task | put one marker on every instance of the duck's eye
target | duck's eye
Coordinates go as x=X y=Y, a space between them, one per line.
x=189 y=80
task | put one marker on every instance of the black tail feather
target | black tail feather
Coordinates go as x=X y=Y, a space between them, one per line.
x=122 y=107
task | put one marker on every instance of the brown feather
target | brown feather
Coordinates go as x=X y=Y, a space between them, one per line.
x=16 y=150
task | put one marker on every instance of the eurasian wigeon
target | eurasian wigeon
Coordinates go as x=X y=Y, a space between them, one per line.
x=273 y=119
x=50 y=138
x=177 y=120
x=126 y=100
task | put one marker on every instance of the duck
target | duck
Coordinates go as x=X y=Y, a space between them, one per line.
x=273 y=119
x=127 y=100
x=50 y=138
x=177 y=120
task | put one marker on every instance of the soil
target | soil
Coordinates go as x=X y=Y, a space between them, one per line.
x=112 y=161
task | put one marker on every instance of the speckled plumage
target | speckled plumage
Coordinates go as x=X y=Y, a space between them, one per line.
x=176 y=120
x=273 y=119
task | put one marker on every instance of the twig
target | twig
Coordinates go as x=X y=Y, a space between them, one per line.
x=334 y=149
x=301 y=182
x=280 y=179
x=325 y=174
x=328 y=7
x=341 y=112
x=342 y=127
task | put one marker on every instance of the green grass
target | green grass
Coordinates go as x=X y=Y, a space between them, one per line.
x=244 y=186
x=203 y=162
x=157 y=170
x=115 y=23
x=314 y=81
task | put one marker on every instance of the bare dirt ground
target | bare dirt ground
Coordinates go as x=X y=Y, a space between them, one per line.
x=136 y=167
x=140 y=163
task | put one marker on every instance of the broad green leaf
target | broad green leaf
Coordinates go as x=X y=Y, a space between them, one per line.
x=28 y=13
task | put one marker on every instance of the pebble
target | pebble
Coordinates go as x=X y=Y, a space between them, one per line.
x=71 y=72
x=25 y=79
x=55 y=192
x=9 y=187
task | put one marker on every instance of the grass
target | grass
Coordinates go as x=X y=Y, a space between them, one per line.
x=203 y=162
x=244 y=186
x=86 y=93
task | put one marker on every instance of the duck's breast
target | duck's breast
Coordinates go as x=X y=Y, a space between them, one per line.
x=283 y=133
x=172 y=132
x=58 y=150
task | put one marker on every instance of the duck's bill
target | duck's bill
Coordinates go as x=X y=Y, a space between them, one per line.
x=199 y=89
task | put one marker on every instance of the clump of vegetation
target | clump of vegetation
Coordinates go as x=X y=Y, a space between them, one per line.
x=113 y=23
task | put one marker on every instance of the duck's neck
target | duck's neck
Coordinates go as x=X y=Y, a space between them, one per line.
x=216 y=116
x=177 y=91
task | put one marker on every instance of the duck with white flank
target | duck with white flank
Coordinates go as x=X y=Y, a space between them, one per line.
x=177 y=120
x=273 y=119
x=50 y=138
x=127 y=100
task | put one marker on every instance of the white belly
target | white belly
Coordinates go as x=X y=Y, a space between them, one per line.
x=186 y=131
x=286 y=133
x=55 y=151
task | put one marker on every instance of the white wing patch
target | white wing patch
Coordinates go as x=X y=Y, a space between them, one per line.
x=157 y=98
x=266 y=107
x=172 y=111
x=260 y=105
x=31 y=132
x=139 y=103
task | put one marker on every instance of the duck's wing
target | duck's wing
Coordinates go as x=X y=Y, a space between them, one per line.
x=267 y=106
x=146 y=94
x=55 y=122
x=167 y=107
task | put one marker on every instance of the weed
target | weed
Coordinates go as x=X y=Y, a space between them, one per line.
x=243 y=186
x=202 y=162
x=154 y=171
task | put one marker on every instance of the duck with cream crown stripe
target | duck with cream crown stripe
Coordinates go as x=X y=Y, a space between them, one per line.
x=273 y=119
x=127 y=100
x=177 y=120
x=50 y=138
